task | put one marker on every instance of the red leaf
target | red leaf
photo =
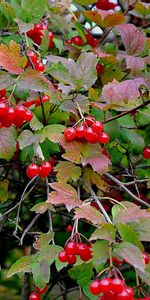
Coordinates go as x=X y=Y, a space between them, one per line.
x=122 y=92
x=133 y=62
x=132 y=214
x=64 y=194
x=10 y=58
x=89 y=213
x=133 y=39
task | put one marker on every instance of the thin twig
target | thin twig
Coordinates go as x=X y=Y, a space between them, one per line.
x=94 y=196
x=28 y=228
x=68 y=291
x=123 y=187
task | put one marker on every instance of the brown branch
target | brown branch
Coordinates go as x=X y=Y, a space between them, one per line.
x=142 y=105
x=125 y=189
x=28 y=228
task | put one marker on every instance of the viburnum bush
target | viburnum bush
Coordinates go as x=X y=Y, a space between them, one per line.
x=75 y=149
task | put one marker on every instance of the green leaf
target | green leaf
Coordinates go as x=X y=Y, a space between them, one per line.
x=29 y=11
x=41 y=273
x=43 y=240
x=130 y=253
x=142 y=229
x=105 y=232
x=131 y=214
x=82 y=273
x=5 y=80
x=66 y=171
x=59 y=44
x=100 y=252
x=145 y=276
x=22 y=265
x=35 y=124
x=129 y=235
x=27 y=138
x=41 y=208
x=135 y=141
x=49 y=253
x=4 y=190
x=53 y=132
x=85 y=2
x=7 y=142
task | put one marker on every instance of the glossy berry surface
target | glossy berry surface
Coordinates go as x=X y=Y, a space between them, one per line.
x=45 y=169
x=42 y=291
x=89 y=120
x=32 y=56
x=90 y=135
x=34 y=296
x=71 y=248
x=69 y=228
x=32 y=170
x=70 y=133
x=105 y=5
x=95 y=287
x=97 y=126
x=117 y=285
x=80 y=131
x=76 y=40
x=62 y=256
x=105 y=285
x=71 y=259
x=146 y=258
x=146 y=153
x=51 y=38
x=39 y=66
x=83 y=250
x=104 y=137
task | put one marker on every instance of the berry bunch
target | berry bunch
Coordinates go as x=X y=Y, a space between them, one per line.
x=14 y=116
x=42 y=171
x=77 y=40
x=36 y=34
x=99 y=69
x=105 y=4
x=72 y=249
x=3 y=96
x=91 y=130
x=146 y=153
x=112 y=288
x=37 y=295
x=38 y=65
x=36 y=102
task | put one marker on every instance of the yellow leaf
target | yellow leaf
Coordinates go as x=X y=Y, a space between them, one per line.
x=110 y=20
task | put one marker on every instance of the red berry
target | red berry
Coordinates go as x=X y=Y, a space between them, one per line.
x=109 y=296
x=3 y=109
x=117 y=285
x=6 y=123
x=123 y=296
x=91 y=40
x=80 y=131
x=105 y=5
x=99 y=69
x=52 y=162
x=117 y=261
x=90 y=135
x=130 y=292
x=77 y=40
x=45 y=98
x=84 y=250
x=39 y=66
x=2 y=92
x=70 y=133
x=38 y=27
x=51 y=37
x=146 y=258
x=62 y=256
x=45 y=169
x=86 y=257
x=20 y=112
x=33 y=57
x=104 y=137
x=71 y=248
x=33 y=170
x=69 y=228
x=105 y=285
x=10 y=114
x=71 y=259
x=97 y=126
x=3 y=98
x=89 y=120
x=42 y=291
x=34 y=296
x=28 y=116
x=95 y=287
x=146 y=152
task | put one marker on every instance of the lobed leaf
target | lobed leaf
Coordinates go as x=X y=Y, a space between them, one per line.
x=89 y=213
x=66 y=171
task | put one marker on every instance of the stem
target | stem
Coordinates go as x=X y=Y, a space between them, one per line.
x=28 y=228
x=110 y=256
x=123 y=187
x=128 y=112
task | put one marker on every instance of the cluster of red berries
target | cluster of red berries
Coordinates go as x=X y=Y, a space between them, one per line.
x=105 y=5
x=42 y=171
x=112 y=288
x=146 y=153
x=91 y=130
x=36 y=102
x=72 y=249
x=38 y=65
x=77 y=40
x=37 y=295
x=14 y=116
x=36 y=34
x=3 y=96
